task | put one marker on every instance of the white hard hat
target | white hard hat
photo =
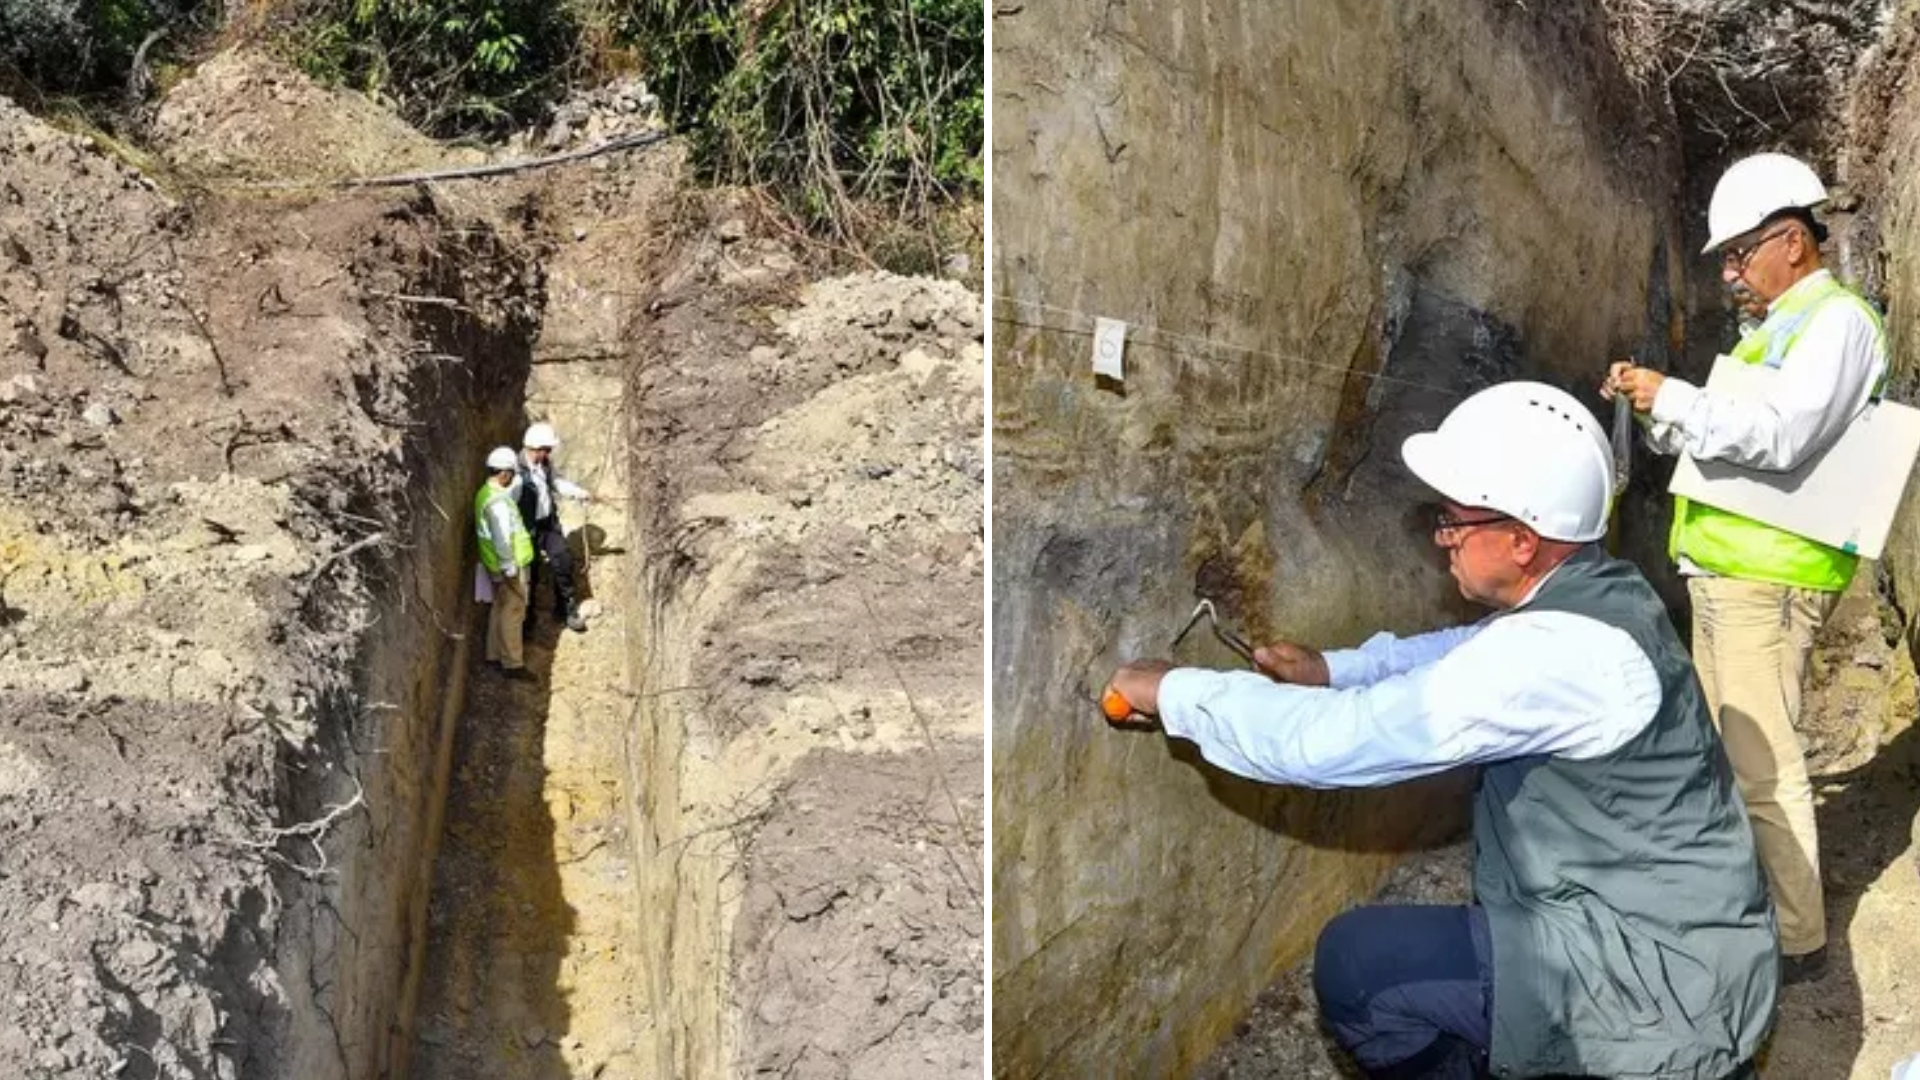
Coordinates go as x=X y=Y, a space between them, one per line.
x=1526 y=449
x=502 y=458
x=1754 y=189
x=540 y=436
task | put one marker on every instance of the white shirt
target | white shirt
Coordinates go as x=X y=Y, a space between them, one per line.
x=1824 y=382
x=542 y=498
x=1522 y=683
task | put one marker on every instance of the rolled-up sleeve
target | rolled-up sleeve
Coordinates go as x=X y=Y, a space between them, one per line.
x=1528 y=683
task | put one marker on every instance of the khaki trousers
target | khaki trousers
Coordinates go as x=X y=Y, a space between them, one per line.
x=1751 y=642
x=506 y=622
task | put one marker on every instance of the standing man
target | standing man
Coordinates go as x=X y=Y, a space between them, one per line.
x=1759 y=593
x=538 y=485
x=1620 y=924
x=506 y=551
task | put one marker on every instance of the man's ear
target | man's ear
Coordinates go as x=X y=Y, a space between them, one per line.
x=1803 y=237
x=1526 y=546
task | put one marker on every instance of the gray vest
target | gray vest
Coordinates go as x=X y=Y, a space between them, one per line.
x=1632 y=933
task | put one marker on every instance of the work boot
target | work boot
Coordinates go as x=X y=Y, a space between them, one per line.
x=573 y=620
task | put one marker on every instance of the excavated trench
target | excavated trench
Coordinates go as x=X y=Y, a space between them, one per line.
x=727 y=828
x=482 y=918
x=485 y=918
x=734 y=827
x=531 y=956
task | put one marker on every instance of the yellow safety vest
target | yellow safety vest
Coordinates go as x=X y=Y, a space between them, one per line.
x=1739 y=547
x=522 y=542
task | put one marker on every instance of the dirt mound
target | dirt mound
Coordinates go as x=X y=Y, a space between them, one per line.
x=881 y=449
x=120 y=686
x=853 y=948
x=243 y=116
x=865 y=876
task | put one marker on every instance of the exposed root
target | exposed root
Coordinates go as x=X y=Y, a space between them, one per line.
x=313 y=832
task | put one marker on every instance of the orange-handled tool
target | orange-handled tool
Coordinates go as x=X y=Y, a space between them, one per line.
x=1116 y=706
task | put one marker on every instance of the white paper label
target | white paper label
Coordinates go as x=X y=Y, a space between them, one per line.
x=1109 y=347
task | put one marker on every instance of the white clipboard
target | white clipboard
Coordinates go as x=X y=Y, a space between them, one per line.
x=1844 y=497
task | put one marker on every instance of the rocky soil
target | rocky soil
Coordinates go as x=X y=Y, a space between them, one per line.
x=217 y=401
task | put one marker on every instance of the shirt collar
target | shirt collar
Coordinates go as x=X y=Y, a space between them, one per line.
x=1803 y=283
x=1585 y=552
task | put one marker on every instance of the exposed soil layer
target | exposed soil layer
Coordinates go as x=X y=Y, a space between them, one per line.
x=1323 y=226
x=240 y=431
x=811 y=528
x=210 y=462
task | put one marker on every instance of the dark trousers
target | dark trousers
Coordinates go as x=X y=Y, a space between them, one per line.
x=1408 y=990
x=551 y=553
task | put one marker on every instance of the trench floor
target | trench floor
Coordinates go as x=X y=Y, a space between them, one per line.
x=532 y=928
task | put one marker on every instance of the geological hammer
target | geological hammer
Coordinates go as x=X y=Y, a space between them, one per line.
x=1227 y=637
x=1117 y=708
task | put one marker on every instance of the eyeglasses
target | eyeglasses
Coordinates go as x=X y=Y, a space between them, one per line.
x=1448 y=529
x=1736 y=259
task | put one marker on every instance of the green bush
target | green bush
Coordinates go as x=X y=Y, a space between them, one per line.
x=451 y=67
x=86 y=48
x=838 y=104
x=865 y=115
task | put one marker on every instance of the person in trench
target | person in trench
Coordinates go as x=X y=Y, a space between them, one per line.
x=1620 y=923
x=1760 y=594
x=506 y=554
x=538 y=489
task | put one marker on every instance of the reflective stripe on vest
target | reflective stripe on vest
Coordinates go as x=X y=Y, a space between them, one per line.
x=1740 y=547
x=522 y=540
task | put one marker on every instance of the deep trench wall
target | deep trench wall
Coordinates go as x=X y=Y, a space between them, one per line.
x=1450 y=192
x=449 y=380
x=1886 y=121
x=805 y=626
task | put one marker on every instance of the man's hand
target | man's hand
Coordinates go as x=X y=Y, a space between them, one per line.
x=1283 y=661
x=1139 y=682
x=1611 y=384
x=1639 y=385
x=508 y=571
